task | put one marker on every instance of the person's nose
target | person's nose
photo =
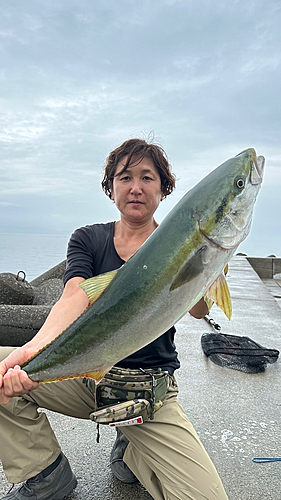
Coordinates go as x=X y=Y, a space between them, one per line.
x=136 y=187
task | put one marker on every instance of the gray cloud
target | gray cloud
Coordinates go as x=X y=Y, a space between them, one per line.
x=77 y=79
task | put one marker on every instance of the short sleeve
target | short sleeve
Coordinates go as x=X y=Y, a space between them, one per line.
x=80 y=255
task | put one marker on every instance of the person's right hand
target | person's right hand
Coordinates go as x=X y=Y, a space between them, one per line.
x=13 y=380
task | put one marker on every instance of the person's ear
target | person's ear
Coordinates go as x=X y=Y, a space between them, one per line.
x=111 y=192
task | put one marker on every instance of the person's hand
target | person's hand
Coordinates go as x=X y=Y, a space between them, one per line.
x=200 y=309
x=13 y=380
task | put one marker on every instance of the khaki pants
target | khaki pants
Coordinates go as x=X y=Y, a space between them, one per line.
x=165 y=453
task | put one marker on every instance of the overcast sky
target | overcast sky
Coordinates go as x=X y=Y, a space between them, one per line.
x=77 y=78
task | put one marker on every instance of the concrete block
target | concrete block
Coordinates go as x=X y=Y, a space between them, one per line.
x=276 y=266
x=262 y=266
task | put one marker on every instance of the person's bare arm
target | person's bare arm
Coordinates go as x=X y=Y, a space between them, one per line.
x=71 y=304
x=13 y=380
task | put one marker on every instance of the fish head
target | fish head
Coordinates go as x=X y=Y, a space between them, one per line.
x=230 y=198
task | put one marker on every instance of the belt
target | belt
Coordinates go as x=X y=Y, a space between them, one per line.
x=125 y=395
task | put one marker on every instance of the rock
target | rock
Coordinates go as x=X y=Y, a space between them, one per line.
x=55 y=272
x=19 y=323
x=14 y=289
x=25 y=306
x=48 y=293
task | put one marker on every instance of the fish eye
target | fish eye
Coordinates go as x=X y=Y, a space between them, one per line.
x=240 y=182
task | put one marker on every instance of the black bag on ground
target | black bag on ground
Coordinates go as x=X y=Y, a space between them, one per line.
x=238 y=353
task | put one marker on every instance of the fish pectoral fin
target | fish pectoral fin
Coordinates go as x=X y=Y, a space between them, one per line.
x=220 y=294
x=94 y=287
x=191 y=269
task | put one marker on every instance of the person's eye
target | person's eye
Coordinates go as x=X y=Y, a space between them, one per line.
x=147 y=178
x=125 y=178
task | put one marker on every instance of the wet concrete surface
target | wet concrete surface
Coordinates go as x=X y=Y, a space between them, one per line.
x=237 y=415
x=274 y=286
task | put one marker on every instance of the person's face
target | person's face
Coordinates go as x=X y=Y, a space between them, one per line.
x=137 y=191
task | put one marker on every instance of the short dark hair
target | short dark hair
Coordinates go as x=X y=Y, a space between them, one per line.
x=139 y=149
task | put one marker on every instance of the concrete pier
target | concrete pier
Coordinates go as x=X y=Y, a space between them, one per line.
x=237 y=415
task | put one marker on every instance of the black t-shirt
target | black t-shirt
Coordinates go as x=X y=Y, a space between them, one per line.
x=91 y=251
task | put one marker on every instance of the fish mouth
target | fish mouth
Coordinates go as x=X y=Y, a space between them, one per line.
x=257 y=166
x=257 y=169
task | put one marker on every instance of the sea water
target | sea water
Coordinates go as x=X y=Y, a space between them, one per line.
x=32 y=253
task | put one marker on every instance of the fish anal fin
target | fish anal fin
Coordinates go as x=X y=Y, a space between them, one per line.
x=220 y=294
x=95 y=287
x=97 y=376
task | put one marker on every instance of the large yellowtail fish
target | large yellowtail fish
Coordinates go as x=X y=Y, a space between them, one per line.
x=183 y=260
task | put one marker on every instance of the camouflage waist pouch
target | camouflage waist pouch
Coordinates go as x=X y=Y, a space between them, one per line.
x=129 y=396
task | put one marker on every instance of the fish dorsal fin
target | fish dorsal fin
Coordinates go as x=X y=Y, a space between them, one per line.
x=220 y=294
x=94 y=287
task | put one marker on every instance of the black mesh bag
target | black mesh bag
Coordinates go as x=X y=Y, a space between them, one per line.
x=238 y=353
